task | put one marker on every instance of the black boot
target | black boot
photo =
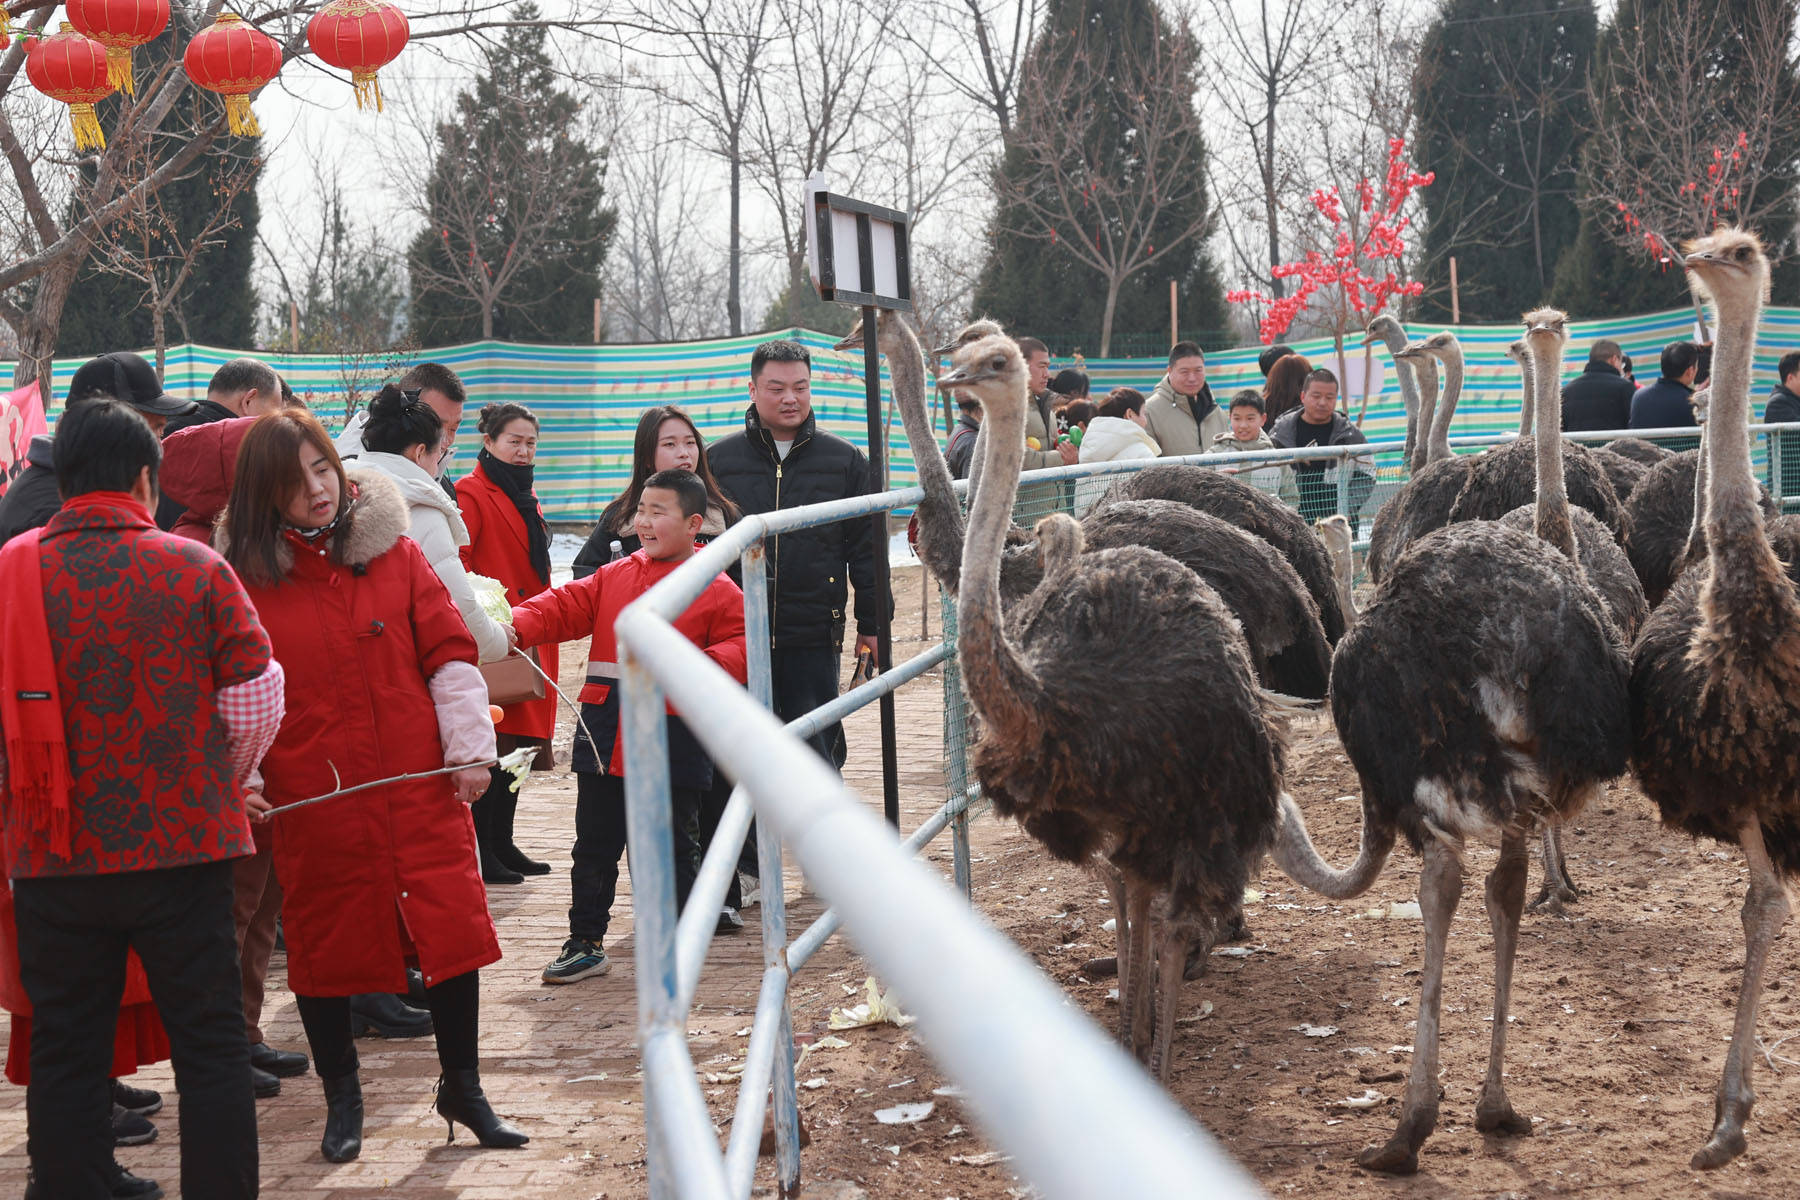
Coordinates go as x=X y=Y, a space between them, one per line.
x=379 y=1014
x=460 y=1098
x=492 y=869
x=343 y=1119
x=505 y=808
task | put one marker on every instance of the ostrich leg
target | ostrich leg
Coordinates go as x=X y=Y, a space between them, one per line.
x=1765 y=911
x=1505 y=901
x=1440 y=888
x=1558 y=887
x=1179 y=944
x=1135 y=979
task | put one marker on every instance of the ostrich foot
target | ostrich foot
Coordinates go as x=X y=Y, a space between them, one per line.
x=1730 y=1111
x=1235 y=930
x=1397 y=1157
x=1551 y=897
x=1494 y=1114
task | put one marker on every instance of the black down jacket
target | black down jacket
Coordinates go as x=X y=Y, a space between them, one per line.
x=810 y=567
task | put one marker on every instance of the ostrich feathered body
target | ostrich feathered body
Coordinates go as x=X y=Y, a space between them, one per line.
x=1419 y=507
x=1640 y=451
x=1251 y=510
x=1478 y=715
x=1604 y=561
x=1659 y=517
x=1622 y=471
x=1504 y=478
x=1151 y=745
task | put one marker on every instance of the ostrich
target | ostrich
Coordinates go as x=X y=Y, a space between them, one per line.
x=1250 y=509
x=1181 y=819
x=1482 y=691
x=1280 y=619
x=1392 y=334
x=1522 y=356
x=1622 y=471
x=1715 y=678
x=1425 y=502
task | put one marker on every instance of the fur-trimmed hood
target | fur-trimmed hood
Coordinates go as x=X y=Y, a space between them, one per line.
x=377 y=519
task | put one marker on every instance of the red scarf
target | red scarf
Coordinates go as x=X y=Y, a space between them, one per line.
x=37 y=756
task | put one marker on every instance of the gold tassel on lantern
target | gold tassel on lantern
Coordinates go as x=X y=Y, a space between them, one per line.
x=243 y=121
x=88 y=134
x=368 y=90
x=118 y=69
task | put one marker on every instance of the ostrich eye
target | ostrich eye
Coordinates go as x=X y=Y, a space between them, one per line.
x=998 y=362
x=1743 y=252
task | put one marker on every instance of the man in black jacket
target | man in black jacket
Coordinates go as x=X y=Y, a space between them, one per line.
x=1599 y=397
x=1783 y=406
x=243 y=387
x=784 y=460
x=1668 y=403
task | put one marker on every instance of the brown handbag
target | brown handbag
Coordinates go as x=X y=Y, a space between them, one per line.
x=511 y=680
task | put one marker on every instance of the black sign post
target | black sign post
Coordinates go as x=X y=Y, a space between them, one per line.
x=878 y=277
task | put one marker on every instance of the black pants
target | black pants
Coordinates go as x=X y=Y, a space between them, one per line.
x=712 y=808
x=600 y=841
x=804 y=678
x=73 y=935
x=455 y=1006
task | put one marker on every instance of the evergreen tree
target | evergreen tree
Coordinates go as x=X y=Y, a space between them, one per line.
x=217 y=306
x=515 y=231
x=1673 y=82
x=1501 y=97
x=808 y=311
x=1032 y=282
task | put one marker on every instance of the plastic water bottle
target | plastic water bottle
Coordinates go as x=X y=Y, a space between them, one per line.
x=618 y=550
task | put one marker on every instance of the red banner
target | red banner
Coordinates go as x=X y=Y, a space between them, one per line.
x=21 y=416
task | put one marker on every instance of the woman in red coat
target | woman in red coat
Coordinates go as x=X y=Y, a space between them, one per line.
x=509 y=541
x=381 y=681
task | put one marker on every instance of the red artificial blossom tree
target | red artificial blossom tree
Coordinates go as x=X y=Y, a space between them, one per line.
x=1361 y=274
x=1697 y=204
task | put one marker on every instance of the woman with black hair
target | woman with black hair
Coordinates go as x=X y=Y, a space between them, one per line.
x=402 y=440
x=509 y=541
x=667 y=439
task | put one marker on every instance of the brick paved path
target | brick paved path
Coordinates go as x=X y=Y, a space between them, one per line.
x=544 y=1049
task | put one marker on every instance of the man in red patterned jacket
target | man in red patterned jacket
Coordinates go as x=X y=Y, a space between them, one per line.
x=125 y=657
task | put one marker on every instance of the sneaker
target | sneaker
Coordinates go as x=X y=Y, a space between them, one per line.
x=120 y=1185
x=751 y=888
x=729 y=921
x=130 y=1129
x=579 y=959
x=141 y=1101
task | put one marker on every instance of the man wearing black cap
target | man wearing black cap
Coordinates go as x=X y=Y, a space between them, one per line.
x=32 y=499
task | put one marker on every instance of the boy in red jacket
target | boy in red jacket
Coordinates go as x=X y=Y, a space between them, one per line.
x=670 y=512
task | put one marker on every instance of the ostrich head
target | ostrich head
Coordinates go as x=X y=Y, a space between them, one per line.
x=1340 y=547
x=885 y=331
x=1386 y=330
x=1546 y=331
x=1439 y=346
x=993 y=371
x=1727 y=264
x=1701 y=403
x=971 y=333
x=1520 y=353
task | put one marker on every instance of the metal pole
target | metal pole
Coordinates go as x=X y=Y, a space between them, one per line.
x=770 y=868
x=1775 y=481
x=1455 y=296
x=1343 y=483
x=884 y=634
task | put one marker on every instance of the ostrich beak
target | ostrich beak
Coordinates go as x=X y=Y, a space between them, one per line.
x=941 y=351
x=1412 y=350
x=851 y=341
x=1701 y=258
x=962 y=376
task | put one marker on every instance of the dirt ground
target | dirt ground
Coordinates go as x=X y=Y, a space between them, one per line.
x=1621 y=1012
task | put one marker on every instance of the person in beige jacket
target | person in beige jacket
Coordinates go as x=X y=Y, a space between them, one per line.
x=1181 y=413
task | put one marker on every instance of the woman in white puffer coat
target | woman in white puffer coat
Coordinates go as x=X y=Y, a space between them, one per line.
x=1117 y=432
x=402 y=440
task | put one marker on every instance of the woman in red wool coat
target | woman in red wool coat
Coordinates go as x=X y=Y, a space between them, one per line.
x=381 y=681
x=509 y=541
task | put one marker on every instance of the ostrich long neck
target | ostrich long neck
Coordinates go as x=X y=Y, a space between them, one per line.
x=1527 y=400
x=1733 y=519
x=940 y=519
x=1552 y=522
x=1409 y=392
x=1425 y=370
x=1439 y=447
x=1000 y=685
x=1696 y=541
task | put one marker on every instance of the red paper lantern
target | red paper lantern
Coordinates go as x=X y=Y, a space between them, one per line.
x=361 y=37
x=69 y=67
x=233 y=59
x=120 y=26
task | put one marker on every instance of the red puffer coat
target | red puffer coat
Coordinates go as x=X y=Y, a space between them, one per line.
x=381 y=877
x=498 y=549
